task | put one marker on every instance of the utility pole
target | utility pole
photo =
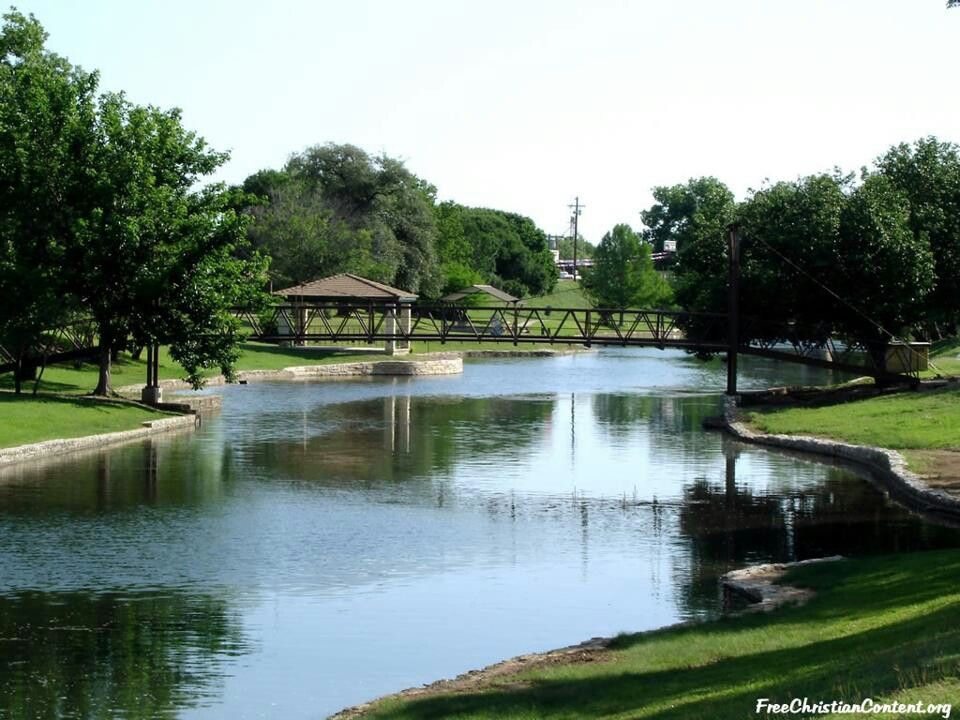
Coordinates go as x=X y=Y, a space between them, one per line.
x=576 y=207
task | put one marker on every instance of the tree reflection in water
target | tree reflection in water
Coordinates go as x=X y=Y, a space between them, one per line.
x=130 y=654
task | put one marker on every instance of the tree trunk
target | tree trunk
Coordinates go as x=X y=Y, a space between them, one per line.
x=103 y=382
x=17 y=376
x=137 y=352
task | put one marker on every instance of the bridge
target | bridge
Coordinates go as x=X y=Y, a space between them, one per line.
x=397 y=325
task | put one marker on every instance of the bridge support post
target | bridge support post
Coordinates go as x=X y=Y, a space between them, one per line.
x=733 y=310
x=403 y=346
x=152 y=394
x=390 y=329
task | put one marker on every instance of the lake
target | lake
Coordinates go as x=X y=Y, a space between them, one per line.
x=315 y=545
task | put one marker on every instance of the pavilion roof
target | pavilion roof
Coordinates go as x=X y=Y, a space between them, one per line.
x=474 y=289
x=346 y=287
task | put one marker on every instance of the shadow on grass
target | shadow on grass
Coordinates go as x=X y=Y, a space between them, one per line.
x=6 y=383
x=67 y=403
x=911 y=648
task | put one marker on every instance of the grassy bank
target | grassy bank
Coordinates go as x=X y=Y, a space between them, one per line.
x=29 y=420
x=126 y=371
x=911 y=420
x=880 y=627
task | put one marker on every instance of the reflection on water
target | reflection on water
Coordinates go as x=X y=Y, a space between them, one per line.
x=316 y=545
x=136 y=655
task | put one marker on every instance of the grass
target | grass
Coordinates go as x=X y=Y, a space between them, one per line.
x=883 y=628
x=126 y=371
x=911 y=420
x=567 y=294
x=945 y=355
x=27 y=419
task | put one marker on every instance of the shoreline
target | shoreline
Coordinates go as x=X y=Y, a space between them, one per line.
x=887 y=466
x=187 y=407
x=58 y=446
x=757 y=584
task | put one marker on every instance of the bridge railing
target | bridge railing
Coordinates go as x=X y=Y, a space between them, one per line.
x=71 y=340
x=351 y=322
x=343 y=322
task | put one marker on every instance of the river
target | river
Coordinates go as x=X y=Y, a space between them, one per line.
x=315 y=545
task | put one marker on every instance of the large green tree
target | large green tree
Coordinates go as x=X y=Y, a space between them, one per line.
x=927 y=172
x=623 y=275
x=153 y=259
x=47 y=110
x=387 y=209
x=822 y=253
x=695 y=216
x=506 y=249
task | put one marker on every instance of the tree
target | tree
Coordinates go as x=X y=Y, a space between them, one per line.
x=386 y=209
x=153 y=259
x=300 y=232
x=585 y=249
x=506 y=249
x=695 y=216
x=47 y=112
x=928 y=174
x=819 y=252
x=622 y=274
x=888 y=266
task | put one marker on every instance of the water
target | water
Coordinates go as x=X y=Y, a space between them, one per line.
x=317 y=545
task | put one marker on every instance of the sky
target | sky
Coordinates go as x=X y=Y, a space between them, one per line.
x=524 y=105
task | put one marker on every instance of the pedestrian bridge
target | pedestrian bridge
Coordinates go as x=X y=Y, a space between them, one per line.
x=398 y=325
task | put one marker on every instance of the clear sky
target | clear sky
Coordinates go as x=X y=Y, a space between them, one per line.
x=523 y=104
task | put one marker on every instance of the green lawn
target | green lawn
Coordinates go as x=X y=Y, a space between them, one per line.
x=911 y=420
x=880 y=627
x=944 y=358
x=27 y=419
x=567 y=294
x=126 y=371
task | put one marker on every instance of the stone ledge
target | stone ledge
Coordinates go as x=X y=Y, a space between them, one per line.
x=758 y=584
x=434 y=366
x=889 y=466
x=48 y=448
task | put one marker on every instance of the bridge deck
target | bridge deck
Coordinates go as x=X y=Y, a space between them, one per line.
x=692 y=332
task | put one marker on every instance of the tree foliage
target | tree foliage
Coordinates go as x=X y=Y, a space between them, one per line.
x=822 y=252
x=695 y=216
x=334 y=208
x=101 y=215
x=623 y=274
x=46 y=119
x=927 y=173
x=505 y=249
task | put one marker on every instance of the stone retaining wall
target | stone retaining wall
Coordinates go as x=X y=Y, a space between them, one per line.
x=51 y=448
x=889 y=466
x=435 y=366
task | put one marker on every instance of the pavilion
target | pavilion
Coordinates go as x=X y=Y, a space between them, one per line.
x=352 y=290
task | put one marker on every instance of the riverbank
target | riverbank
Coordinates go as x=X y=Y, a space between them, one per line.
x=43 y=426
x=61 y=414
x=910 y=440
x=885 y=628
x=128 y=372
